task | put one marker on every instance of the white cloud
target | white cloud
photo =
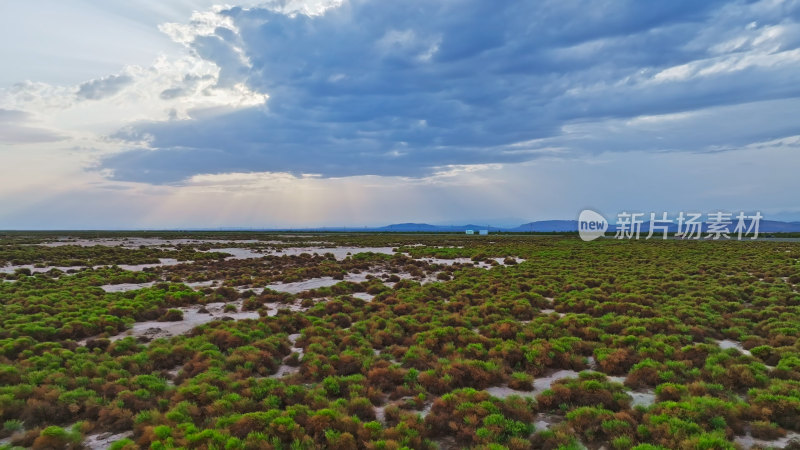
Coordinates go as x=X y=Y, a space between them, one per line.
x=193 y=81
x=736 y=62
x=103 y=87
x=18 y=127
x=202 y=23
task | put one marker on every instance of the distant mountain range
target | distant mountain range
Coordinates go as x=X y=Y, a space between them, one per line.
x=542 y=226
x=418 y=227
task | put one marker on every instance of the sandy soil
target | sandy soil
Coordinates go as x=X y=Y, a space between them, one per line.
x=130 y=267
x=192 y=317
x=102 y=441
x=748 y=441
x=727 y=343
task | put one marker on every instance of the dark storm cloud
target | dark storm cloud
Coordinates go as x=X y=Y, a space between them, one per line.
x=399 y=88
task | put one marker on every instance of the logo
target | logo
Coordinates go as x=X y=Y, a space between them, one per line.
x=591 y=225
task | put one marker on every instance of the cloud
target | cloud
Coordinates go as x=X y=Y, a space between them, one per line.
x=16 y=128
x=103 y=87
x=188 y=86
x=10 y=116
x=398 y=89
x=168 y=89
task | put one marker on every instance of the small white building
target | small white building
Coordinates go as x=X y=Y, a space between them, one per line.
x=483 y=232
x=470 y=231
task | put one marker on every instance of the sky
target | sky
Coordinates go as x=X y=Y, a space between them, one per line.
x=307 y=113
